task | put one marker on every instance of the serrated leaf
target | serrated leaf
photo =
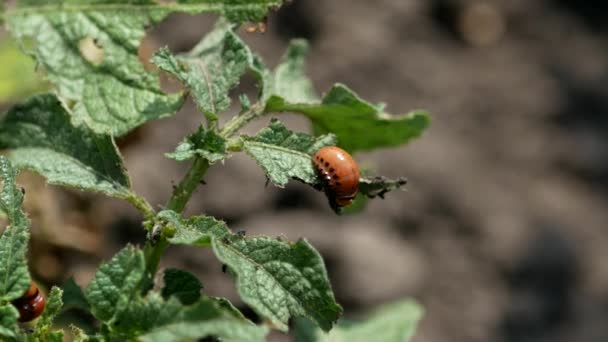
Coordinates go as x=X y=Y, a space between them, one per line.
x=53 y=305
x=394 y=322
x=90 y=55
x=358 y=125
x=8 y=321
x=144 y=314
x=89 y=50
x=182 y=285
x=211 y=69
x=14 y=275
x=276 y=278
x=379 y=186
x=205 y=319
x=73 y=296
x=290 y=81
x=280 y=280
x=205 y=144
x=195 y=231
x=115 y=283
x=283 y=154
x=43 y=140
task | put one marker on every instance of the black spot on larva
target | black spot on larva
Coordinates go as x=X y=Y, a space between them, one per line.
x=336 y=177
x=322 y=160
x=331 y=169
x=326 y=164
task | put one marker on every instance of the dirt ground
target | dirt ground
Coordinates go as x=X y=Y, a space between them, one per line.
x=502 y=232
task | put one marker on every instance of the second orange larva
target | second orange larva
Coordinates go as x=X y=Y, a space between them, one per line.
x=31 y=304
x=339 y=173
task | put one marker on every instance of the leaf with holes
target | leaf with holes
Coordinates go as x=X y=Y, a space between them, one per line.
x=211 y=69
x=89 y=50
x=357 y=124
x=284 y=154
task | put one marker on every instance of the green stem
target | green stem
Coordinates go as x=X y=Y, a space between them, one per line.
x=142 y=205
x=157 y=243
x=240 y=121
x=185 y=189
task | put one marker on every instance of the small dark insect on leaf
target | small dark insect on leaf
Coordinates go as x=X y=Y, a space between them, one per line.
x=23 y=191
x=224 y=268
x=203 y=182
x=241 y=233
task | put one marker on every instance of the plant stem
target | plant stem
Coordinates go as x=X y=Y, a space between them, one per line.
x=239 y=121
x=183 y=191
x=156 y=245
x=142 y=205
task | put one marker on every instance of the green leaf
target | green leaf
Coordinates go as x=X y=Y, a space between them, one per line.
x=144 y=314
x=206 y=144
x=211 y=69
x=284 y=154
x=89 y=50
x=73 y=296
x=205 y=319
x=182 y=285
x=152 y=319
x=43 y=140
x=54 y=336
x=8 y=321
x=290 y=81
x=379 y=186
x=358 y=125
x=51 y=309
x=195 y=231
x=14 y=275
x=394 y=322
x=115 y=283
x=280 y=280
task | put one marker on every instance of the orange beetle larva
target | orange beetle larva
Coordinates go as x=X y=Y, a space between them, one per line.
x=30 y=305
x=339 y=173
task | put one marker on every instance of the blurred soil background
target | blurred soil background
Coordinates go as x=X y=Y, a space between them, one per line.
x=502 y=233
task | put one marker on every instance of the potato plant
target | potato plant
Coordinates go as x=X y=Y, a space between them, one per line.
x=88 y=52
